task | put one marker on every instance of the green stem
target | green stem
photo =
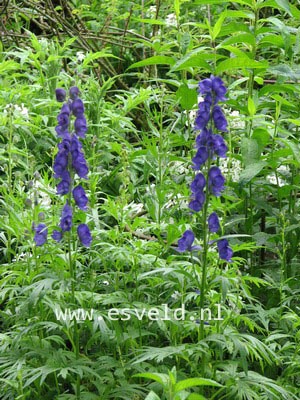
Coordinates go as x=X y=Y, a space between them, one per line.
x=204 y=256
x=72 y=271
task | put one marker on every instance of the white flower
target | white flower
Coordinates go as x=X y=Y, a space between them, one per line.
x=41 y=193
x=179 y=167
x=152 y=11
x=171 y=20
x=176 y=295
x=231 y=168
x=235 y=119
x=283 y=169
x=134 y=208
x=80 y=56
x=273 y=180
x=16 y=110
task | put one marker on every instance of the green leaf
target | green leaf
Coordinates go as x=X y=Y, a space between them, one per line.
x=295 y=11
x=294 y=147
x=152 y=396
x=218 y=25
x=187 y=97
x=163 y=379
x=261 y=136
x=250 y=151
x=8 y=65
x=275 y=40
x=155 y=60
x=196 y=396
x=240 y=38
x=245 y=2
x=149 y=21
x=240 y=62
x=293 y=121
x=251 y=171
x=284 y=4
x=194 y=59
x=177 y=8
x=251 y=107
x=95 y=56
x=284 y=70
x=191 y=382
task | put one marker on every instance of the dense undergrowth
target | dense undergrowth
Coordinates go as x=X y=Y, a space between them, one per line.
x=138 y=66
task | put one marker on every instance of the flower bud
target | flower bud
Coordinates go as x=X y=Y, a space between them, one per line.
x=60 y=95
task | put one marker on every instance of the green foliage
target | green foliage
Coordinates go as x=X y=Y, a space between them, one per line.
x=137 y=65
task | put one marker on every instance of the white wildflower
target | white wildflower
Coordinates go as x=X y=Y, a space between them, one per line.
x=80 y=56
x=16 y=110
x=152 y=11
x=231 y=168
x=271 y=178
x=236 y=120
x=171 y=20
x=134 y=208
x=176 y=295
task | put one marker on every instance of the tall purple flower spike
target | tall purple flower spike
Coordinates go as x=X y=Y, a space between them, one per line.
x=209 y=145
x=69 y=161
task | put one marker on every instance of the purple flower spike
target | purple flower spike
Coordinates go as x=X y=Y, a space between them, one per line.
x=60 y=95
x=215 y=85
x=186 y=241
x=84 y=235
x=70 y=160
x=78 y=108
x=57 y=235
x=219 y=119
x=80 y=126
x=219 y=146
x=216 y=181
x=197 y=203
x=80 y=197
x=63 y=119
x=213 y=223
x=225 y=252
x=74 y=92
x=205 y=86
x=60 y=164
x=200 y=157
x=203 y=115
x=41 y=233
x=64 y=185
x=78 y=160
x=219 y=88
x=198 y=183
x=66 y=218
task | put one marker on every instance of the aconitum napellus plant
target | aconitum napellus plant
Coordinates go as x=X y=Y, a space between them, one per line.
x=208 y=180
x=210 y=145
x=70 y=161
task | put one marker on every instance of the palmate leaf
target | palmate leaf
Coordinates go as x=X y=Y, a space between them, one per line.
x=9 y=65
x=159 y=354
